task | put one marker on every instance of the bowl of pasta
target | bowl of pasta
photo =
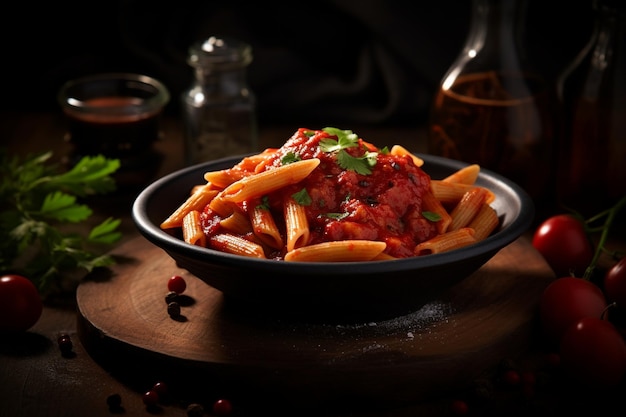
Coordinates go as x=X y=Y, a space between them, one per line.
x=332 y=225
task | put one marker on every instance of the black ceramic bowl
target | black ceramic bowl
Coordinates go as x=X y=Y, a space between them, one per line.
x=352 y=289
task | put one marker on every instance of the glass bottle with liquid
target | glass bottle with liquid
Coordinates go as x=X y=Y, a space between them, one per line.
x=219 y=110
x=492 y=108
x=592 y=90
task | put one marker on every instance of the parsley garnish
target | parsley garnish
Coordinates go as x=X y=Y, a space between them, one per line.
x=302 y=197
x=264 y=204
x=432 y=216
x=36 y=201
x=289 y=158
x=336 y=216
x=348 y=139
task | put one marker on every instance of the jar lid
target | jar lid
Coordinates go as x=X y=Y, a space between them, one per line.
x=222 y=52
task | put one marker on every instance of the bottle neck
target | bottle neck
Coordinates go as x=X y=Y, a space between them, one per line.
x=495 y=37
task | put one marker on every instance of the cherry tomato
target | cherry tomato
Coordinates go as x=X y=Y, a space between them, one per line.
x=567 y=300
x=564 y=244
x=615 y=284
x=177 y=284
x=593 y=352
x=20 y=304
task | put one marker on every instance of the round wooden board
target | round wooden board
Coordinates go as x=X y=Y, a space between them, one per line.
x=123 y=322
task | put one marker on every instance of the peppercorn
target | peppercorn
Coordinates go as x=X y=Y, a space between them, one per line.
x=171 y=296
x=195 y=410
x=173 y=309
x=65 y=344
x=114 y=401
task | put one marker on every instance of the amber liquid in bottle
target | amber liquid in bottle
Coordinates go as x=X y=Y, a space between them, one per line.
x=499 y=121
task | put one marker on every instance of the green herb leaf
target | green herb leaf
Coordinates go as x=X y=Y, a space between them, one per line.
x=289 y=158
x=265 y=203
x=336 y=216
x=360 y=165
x=36 y=201
x=106 y=232
x=431 y=216
x=347 y=139
x=302 y=197
x=62 y=207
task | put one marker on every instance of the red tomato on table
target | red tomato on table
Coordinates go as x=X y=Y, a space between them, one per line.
x=20 y=303
x=565 y=245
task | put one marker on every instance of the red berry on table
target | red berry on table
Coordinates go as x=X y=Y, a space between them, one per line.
x=177 y=284
x=459 y=408
x=151 y=398
x=222 y=407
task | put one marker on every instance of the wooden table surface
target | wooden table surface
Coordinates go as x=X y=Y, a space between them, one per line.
x=37 y=380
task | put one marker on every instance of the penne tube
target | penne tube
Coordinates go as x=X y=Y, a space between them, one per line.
x=237 y=223
x=192 y=229
x=226 y=242
x=446 y=242
x=467 y=208
x=196 y=201
x=466 y=175
x=267 y=181
x=383 y=257
x=432 y=204
x=264 y=227
x=222 y=207
x=402 y=151
x=450 y=193
x=296 y=224
x=223 y=178
x=485 y=222
x=337 y=251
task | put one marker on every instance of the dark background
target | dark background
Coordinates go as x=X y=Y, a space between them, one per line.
x=329 y=62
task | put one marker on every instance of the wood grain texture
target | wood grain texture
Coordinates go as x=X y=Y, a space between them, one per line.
x=238 y=351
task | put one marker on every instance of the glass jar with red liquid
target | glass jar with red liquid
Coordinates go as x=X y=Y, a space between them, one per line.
x=493 y=109
x=117 y=115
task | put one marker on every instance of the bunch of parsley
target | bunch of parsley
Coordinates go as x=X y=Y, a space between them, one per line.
x=37 y=203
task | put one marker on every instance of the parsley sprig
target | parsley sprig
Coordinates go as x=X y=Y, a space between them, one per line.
x=37 y=203
x=348 y=139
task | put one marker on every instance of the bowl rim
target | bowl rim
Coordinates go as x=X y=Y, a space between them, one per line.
x=492 y=244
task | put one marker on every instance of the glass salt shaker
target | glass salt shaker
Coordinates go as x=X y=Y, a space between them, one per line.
x=219 y=110
x=492 y=108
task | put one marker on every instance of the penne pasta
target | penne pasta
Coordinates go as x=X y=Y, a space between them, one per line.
x=192 y=231
x=196 y=201
x=446 y=242
x=237 y=223
x=296 y=224
x=264 y=227
x=432 y=204
x=237 y=245
x=337 y=251
x=402 y=151
x=485 y=222
x=466 y=209
x=268 y=181
x=465 y=175
x=222 y=207
x=450 y=193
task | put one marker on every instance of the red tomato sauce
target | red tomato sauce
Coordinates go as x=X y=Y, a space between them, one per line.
x=385 y=205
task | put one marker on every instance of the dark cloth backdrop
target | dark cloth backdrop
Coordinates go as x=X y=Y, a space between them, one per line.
x=316 y=62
